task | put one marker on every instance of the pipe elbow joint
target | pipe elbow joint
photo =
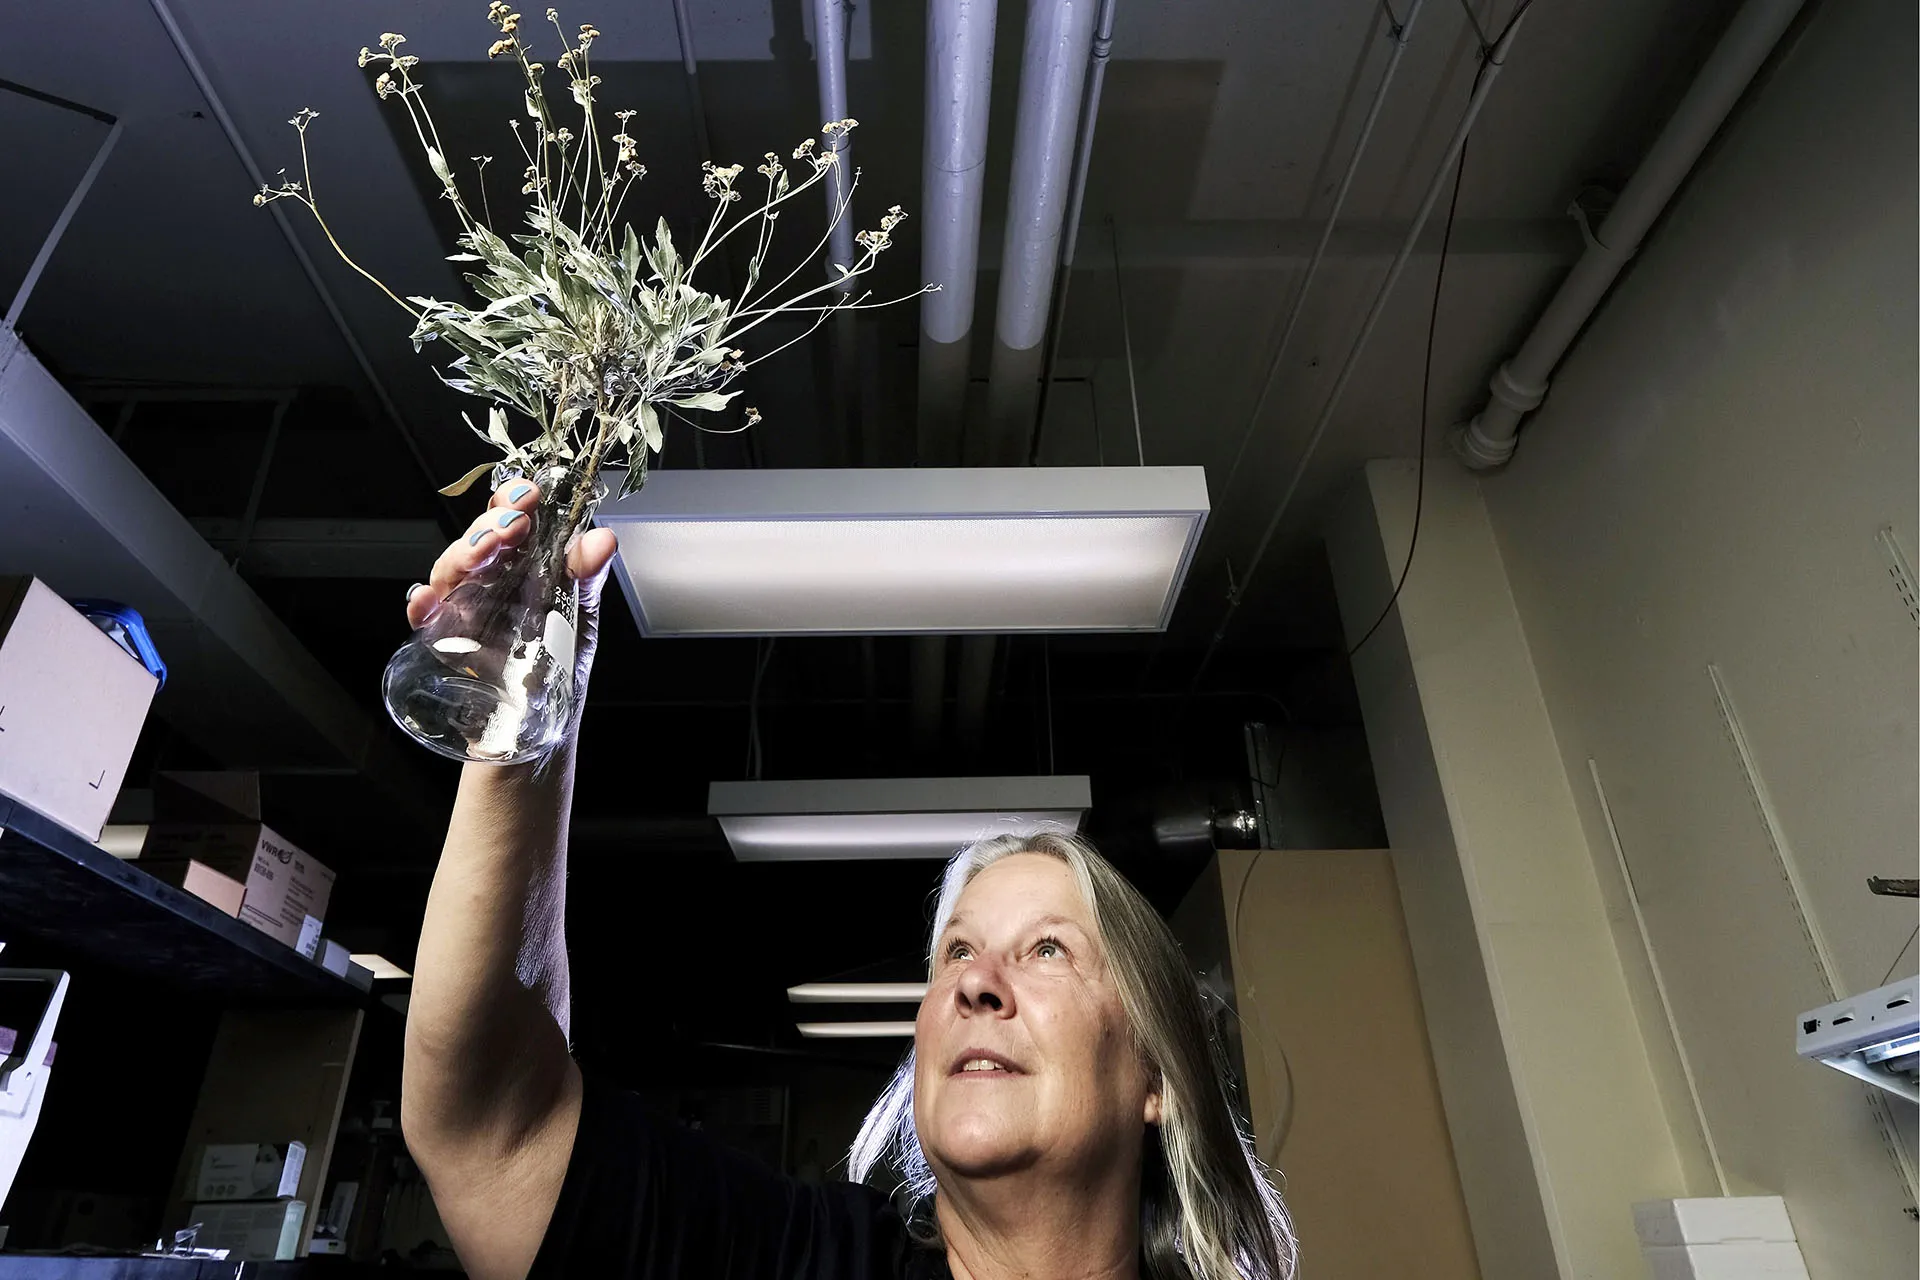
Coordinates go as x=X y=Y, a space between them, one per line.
x=1478 y=449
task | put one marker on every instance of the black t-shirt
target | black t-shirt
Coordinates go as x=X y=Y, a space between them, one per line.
x=644 y=1200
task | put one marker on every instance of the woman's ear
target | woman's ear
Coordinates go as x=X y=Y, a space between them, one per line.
x=1153 y=1108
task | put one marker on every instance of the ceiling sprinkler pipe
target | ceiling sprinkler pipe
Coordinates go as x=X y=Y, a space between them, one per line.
x=1521 y=383
x=830 y=62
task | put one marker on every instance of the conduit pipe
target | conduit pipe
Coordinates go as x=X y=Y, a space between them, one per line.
x=1401 y=33
x=960 y=36
x=1055 y=59
x=1053 y=75
x=1483 y=85
x=953 y=181
x=1521 y=383
x=1082 y=162
x=830 y=64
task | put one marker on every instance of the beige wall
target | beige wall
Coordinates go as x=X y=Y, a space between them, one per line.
x=1336 y=1053
x=1550 y=1089
x=1704 y=486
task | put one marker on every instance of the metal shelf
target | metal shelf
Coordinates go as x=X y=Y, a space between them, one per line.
x=57 y=888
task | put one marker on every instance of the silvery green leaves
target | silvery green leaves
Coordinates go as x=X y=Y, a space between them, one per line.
x=585 y=336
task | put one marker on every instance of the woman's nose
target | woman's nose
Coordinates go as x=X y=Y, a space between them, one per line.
x=983 y=990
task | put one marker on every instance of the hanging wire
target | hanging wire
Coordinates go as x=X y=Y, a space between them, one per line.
x=1046 y=679
x=1426 y=390
x=1126 y=338
x=1903 y=953
x=753 y=709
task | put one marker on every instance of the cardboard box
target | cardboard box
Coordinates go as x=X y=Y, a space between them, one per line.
x=214 y=818
x=72 y=703
x=249 y=1170
x=197 y=878
x=251 y=1232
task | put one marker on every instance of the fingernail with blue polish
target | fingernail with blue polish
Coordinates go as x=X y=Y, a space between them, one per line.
x=508 y=517
x=519 y=492
x=415 y=587
x=478 y=534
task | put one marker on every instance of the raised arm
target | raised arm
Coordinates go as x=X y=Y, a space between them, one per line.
x=490 y=1098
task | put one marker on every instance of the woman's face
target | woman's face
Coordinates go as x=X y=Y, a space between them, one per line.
x=1023 y=1057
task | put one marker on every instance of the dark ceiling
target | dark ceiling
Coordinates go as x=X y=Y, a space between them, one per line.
x=175 y=313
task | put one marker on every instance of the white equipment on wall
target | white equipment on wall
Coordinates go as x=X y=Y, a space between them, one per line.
x=30 y=1001
x=1874 y=1036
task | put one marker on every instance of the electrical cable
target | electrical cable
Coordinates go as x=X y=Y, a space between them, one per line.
x=1426 y=383
x=1903 y=953
x=753 y=709
x=1285 y=1124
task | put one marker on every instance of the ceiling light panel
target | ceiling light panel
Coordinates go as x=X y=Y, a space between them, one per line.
x=853 y=1030
x=858 y=993
x=872 y=818
x=923 y=550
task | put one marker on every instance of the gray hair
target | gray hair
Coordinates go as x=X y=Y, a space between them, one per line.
x=1207 y=1211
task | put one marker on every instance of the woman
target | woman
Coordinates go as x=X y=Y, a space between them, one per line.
x=1063 y=1114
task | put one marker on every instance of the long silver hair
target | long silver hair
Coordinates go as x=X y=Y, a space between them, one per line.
x=1207 y=1211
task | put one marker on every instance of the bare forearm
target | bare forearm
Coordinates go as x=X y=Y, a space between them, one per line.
x=487 y=1025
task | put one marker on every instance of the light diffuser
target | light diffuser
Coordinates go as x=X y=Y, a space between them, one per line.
x=853 y=1030
x=924 y=550
x=858 y=993
x=889 y=817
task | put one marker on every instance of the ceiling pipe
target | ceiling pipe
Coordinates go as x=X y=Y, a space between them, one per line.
x=1055 y=61
x=1521 y=383
x=277 y=210
x=1082 y=162
x=830 y=64
x=1483 y=85
x=1053 y=75
x=960 y=35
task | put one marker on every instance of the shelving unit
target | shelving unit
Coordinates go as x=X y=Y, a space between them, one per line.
x=58 y=888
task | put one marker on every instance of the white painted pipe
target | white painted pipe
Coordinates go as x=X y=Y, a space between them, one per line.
x=1053 y=75
x=830 y=64
x=960 y=35
x=1521 y=383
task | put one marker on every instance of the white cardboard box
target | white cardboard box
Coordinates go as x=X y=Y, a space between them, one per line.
x=1773 y=1260
x=249 y=1170
x=71 y=706
x=1713 y=1220
x=197 y=878
x=254 y=1231
x=285 y=884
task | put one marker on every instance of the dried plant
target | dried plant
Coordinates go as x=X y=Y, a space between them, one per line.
x=590 y=333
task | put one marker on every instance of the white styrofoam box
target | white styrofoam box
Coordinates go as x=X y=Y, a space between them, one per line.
x=249 y=1170
x=1712 y=1220
x=71 y=706
x=1773 y=1260
x=257 y=1231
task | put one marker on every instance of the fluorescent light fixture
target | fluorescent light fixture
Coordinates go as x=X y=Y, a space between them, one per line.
x=889 y=817
x=1873 y=1037
x=858 y=993
x=873 y=551
x=853 y=1030
x=123 y=839
x=380 y=966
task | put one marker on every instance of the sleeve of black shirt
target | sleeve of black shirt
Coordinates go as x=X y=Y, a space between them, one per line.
x=644 y=1200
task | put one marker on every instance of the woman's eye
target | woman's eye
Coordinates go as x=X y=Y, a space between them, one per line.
x=1049 y=949
x=959 y=951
